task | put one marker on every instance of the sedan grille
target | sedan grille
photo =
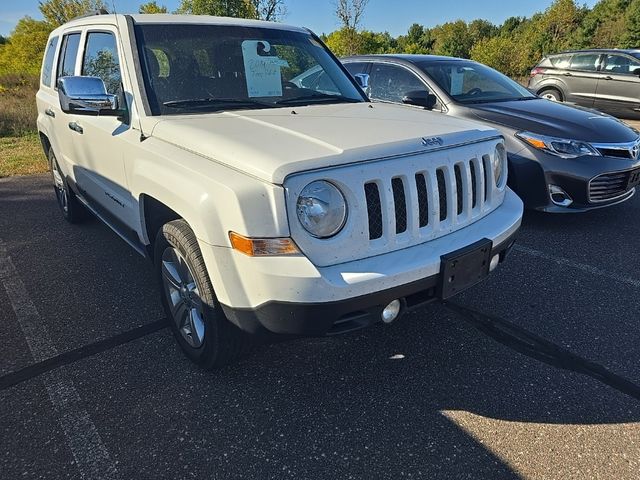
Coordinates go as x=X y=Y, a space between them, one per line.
x=608 y=186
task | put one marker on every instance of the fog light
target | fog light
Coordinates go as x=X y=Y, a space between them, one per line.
x=559 y=196
x=494 y=262
x=391 y=311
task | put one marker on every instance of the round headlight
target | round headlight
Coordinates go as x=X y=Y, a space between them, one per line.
x=322 y=209
x=499 y=163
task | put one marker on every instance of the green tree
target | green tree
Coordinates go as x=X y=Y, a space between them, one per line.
x=603 y=25
x=631 y=36
x=417 y=40
x=22 y=54
x=453 y=39
x=152 y=7
x=222 y=8
x=57 y=12
x=269 y=10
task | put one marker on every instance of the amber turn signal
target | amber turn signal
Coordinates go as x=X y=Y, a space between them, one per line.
x=263 y=247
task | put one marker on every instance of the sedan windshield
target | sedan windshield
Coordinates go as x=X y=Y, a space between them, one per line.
x=191 y=68
x=470 y=82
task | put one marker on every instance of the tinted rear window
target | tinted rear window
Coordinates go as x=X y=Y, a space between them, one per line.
x=585 y=61
x=47 y=66
x=561 y=61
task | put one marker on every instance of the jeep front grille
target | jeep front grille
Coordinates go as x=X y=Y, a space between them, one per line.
x=444 y=196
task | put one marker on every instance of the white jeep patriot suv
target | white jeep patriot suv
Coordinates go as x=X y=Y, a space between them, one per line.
x=271 y=195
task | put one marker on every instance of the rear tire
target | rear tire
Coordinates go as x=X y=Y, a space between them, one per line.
x=552 y=94
x=197 y=320
x=72 y=210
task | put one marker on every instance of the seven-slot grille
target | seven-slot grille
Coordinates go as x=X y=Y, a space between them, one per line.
x=428 y=199
x=608 y=186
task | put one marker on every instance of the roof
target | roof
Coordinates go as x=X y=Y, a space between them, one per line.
x=411 y=58
x=176 y=19
x=599 y=50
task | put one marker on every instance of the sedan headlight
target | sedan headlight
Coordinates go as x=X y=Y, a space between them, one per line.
x=561 y=147
x=499 y=163
x=322 y=209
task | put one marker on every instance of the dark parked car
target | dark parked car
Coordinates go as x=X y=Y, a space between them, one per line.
x=608 y=80
x=561 y=158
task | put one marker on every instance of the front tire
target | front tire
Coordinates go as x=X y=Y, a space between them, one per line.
x=198 y=323
x=552 y=94
x=72 y=210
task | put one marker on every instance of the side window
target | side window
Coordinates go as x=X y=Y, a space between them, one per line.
x=585 y=61
x=101 y=60
x=356 y=67
x=47 y=66
x=620 y=64
x=561 y=61
x=67 y=58
x=391 y=83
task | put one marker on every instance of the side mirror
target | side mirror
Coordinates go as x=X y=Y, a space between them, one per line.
x=86 y=96
x=420 y=98
x=362 y=79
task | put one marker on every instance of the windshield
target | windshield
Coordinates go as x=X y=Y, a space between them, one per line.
x=470 y=82
x=201 y=68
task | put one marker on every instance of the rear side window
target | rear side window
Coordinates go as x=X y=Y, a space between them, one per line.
x=68 y=55
x=585 y=61
x=47 y=66
x=101 y=60
x=561 y=61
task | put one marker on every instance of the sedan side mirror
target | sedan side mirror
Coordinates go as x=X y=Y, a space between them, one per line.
x=420 y=98
x=86 y=96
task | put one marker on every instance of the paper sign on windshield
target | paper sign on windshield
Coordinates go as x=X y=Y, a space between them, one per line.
x=262 y=70
x=457 y=81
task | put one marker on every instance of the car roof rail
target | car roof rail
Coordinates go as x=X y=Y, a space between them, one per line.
x=100 y=11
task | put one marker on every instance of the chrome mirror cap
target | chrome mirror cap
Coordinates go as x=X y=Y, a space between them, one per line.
x=86 y=95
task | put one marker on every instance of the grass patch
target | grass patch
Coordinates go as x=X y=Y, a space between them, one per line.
x=21 y=156
x=18 y=110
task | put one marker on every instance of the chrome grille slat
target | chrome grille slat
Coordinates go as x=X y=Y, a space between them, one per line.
x=608 y=186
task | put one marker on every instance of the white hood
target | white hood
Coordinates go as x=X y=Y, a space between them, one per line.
x=273 y=143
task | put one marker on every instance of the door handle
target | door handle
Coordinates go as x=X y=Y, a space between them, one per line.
x=568 y=74
x=50 y=113
x=608 y=77
x=75 y=127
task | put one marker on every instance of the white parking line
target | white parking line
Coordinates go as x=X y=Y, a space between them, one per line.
x=579 y=266
x=91 y=456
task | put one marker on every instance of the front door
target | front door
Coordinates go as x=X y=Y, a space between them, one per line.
x=99 y=141
x=618 y=91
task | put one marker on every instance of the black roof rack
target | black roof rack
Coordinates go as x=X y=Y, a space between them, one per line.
x=100 y=11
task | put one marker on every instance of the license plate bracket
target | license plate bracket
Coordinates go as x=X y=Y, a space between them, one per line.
x=464 y=268
x=634 y=179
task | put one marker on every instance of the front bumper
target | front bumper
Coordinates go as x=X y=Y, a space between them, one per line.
x=291 y=296
x=532 y=173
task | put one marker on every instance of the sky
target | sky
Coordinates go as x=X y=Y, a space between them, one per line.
x=380 y=15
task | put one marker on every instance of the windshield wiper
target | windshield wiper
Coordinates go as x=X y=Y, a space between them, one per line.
x=215 y=102
x=316 y=98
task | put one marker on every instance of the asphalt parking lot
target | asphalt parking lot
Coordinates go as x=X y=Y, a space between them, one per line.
x=532 y=374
